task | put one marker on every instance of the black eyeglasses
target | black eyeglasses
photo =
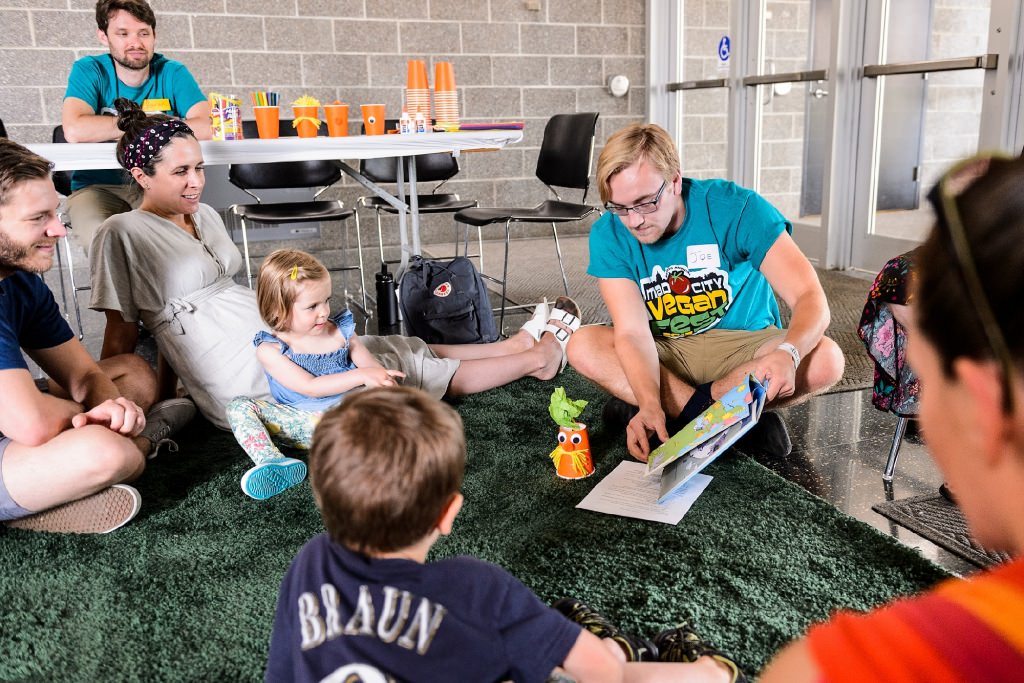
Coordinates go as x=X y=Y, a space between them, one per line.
x=944 y=198
x=641 y=208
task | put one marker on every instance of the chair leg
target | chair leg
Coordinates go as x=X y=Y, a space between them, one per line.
x=504 y=279
x=894 y=450
x=479 y=244
x=359 y=260
x=561 y=265
x=245 y=253
x=380 y=236
x=74 y=287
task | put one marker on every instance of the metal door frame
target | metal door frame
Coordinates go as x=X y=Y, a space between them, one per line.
x=856 y=32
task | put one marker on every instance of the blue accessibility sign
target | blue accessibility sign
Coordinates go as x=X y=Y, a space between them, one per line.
x=723 y=49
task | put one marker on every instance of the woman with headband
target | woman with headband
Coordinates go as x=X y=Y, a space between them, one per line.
x=170 y=264
x=966 y=343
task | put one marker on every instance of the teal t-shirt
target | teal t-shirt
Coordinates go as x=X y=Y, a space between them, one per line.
x=707 y=273
x=94 y=81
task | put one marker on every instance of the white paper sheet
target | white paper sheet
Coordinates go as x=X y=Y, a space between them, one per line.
x=627 y=492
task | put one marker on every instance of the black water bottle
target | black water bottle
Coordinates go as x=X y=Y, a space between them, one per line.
x=387 y=303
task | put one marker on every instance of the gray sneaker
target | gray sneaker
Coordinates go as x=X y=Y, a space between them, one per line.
x=164 y=419
x=100 y=513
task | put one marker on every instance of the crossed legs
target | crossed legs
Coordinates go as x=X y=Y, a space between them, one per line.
x=79 y=462
x=592 y=353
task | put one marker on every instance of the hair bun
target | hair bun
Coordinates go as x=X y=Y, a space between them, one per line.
x=128 y=113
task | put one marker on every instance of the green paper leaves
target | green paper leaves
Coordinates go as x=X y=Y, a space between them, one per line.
x=563 y=409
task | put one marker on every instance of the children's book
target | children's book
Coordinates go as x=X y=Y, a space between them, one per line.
x=696 y=445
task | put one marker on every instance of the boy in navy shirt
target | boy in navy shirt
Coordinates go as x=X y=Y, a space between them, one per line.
x=362 y=603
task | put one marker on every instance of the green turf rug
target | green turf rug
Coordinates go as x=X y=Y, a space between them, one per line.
x=187 y=590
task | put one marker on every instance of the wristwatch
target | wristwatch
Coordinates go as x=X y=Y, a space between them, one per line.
x=793 y=352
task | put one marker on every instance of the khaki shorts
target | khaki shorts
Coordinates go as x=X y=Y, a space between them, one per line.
x=711 y=355
x=422 y=367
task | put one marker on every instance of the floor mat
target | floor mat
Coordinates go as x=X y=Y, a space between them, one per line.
x=941 y=522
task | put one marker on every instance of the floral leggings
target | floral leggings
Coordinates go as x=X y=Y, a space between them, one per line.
x=258 y=425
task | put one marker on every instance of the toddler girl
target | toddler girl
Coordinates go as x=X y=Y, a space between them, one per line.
x=310 y=360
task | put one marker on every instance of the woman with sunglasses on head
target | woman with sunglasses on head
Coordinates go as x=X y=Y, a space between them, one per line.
x=967 y=346
x=170 y=264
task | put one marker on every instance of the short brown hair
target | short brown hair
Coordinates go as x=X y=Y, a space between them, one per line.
x=383 y=465
x=625 y=147
x=276 y=289
x=18 y=164
x=139 y=9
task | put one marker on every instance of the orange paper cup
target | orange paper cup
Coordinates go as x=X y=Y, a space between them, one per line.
x=417 y=78
x=337 y=119
x=268 y=120
x=444 y=77
x=306 y=116
x=572 y=454
x=373 y=118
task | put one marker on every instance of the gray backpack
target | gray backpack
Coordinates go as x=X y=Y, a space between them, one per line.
x=445 y=302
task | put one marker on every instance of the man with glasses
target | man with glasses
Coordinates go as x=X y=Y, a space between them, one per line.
x=127 y=28
x=689 y=270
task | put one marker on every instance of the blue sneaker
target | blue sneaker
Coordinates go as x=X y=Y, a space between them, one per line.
x=273 y=477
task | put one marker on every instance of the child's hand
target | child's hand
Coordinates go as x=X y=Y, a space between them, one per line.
x=381 y=377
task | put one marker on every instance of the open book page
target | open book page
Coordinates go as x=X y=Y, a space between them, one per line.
x=733 y=407
x=626 y=492
x=681 y=469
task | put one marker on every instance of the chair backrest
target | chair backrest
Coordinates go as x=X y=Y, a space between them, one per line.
x=282 y=174
x=61 y=179
x=567 y=151
x=430 y=168
x=3 y=131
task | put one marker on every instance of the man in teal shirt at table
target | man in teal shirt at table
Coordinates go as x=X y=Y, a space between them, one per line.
x=131 y=69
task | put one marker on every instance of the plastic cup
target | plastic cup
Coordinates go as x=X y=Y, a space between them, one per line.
x=444 y=77
x=268 y=121
x=417 y=77
x=306 y=115
x=373 y=118
x=337 y=119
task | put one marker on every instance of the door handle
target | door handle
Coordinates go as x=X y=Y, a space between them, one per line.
x=818 y=93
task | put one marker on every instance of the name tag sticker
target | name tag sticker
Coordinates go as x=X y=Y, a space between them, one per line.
x=702 y=256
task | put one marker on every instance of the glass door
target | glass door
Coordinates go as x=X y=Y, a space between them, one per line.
x=788 y=108
x=921 y=107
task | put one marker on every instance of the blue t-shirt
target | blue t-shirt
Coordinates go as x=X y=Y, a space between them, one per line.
x=353 y=617
x=94 y=81
x=29 y=319
x=707 y=273
x=316 y=364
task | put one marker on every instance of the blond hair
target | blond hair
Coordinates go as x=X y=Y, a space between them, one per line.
x=647 y=141
x=279 y=281
x=383 y=466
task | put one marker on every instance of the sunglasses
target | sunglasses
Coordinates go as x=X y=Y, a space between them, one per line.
x=944 y=198
x=641 y=208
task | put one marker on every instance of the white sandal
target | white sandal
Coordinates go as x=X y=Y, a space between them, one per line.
x=567 y=319
x=536 y=324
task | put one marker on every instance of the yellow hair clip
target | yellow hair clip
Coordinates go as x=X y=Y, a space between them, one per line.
x=295 y=273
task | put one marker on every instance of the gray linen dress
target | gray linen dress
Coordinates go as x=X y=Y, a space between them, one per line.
x=181 y=289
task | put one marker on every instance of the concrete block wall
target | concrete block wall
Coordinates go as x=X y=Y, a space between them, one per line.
x=514 y=60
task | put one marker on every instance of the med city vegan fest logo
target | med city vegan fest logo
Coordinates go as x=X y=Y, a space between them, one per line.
x=681 y=302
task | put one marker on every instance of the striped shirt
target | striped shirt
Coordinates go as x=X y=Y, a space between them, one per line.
x=963 y=630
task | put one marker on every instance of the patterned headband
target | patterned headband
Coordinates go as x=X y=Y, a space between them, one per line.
x=149 y=143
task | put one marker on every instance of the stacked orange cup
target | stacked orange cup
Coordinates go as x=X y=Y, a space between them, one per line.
x=417 y=90
x=446 y=99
